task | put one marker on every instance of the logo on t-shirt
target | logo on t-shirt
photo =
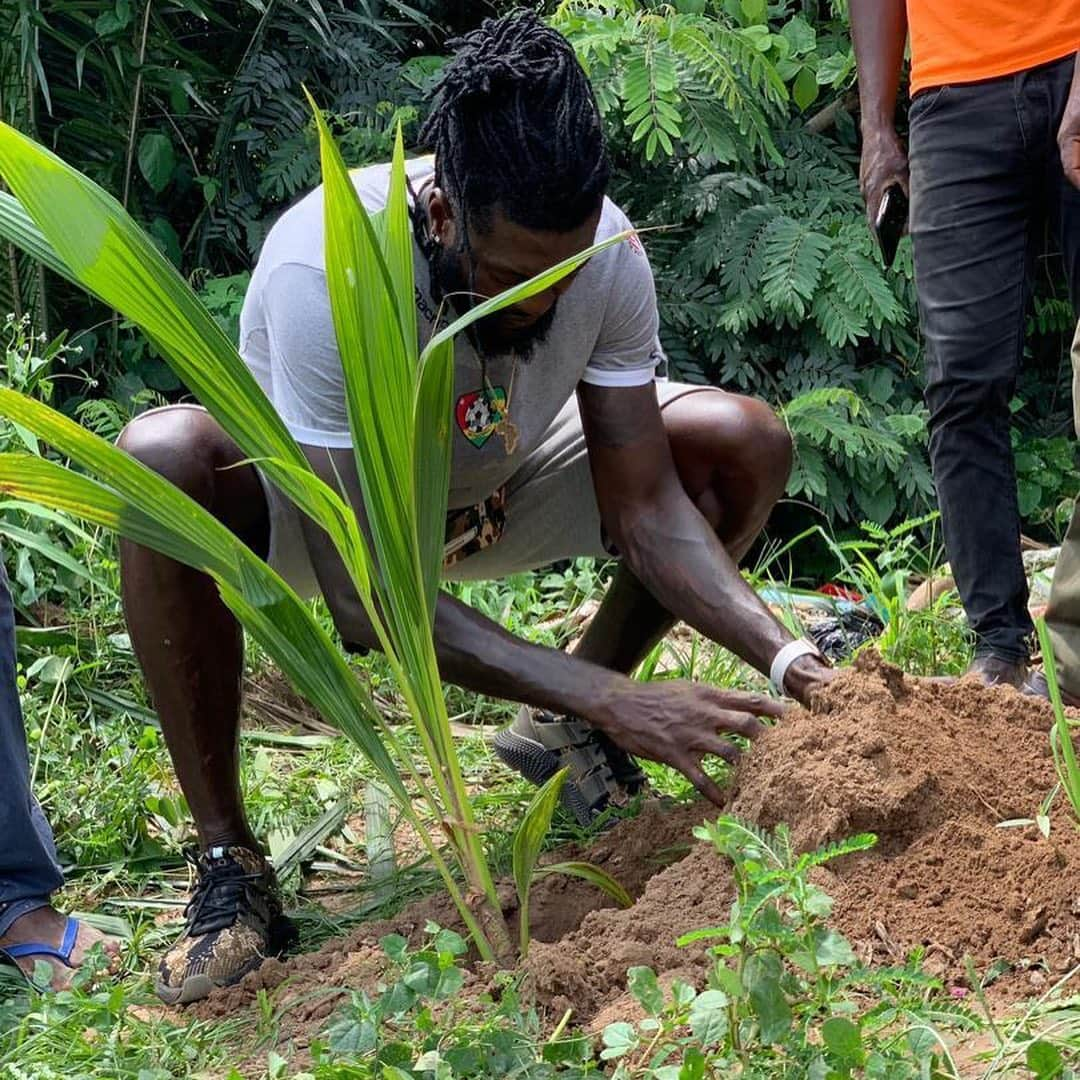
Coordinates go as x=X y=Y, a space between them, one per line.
x=479 y=412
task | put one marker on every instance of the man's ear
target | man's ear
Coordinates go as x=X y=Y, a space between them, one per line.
x=441 y=218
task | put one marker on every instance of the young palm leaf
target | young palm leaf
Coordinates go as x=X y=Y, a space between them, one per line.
x=1068 y=769
x=387 y=393
x=109 y=255
x=527 y=842
x=403 y=459
x=528 y=839
x=591 y=873
x=142 y=506
x=18 y=228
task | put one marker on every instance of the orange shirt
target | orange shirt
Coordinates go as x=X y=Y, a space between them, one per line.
x=958 y=41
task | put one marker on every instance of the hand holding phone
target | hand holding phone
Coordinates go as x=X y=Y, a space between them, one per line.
x=891 y=222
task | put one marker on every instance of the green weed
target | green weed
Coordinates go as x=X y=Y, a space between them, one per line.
x=416 y=1027
x=786 y=995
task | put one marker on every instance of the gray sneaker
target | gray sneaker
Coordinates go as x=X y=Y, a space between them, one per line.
x=538 y=744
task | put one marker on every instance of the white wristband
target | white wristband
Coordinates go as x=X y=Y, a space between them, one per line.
x=785 y=658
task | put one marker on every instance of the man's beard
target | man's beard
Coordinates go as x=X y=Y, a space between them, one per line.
x=495 y=335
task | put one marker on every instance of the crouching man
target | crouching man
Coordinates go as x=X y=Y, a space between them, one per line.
x=565 y=444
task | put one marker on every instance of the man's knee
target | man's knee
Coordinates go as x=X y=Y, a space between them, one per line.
x=753 y=442
x=768 y=444
x=191 y=450
x=177 y=444
x=733 y=453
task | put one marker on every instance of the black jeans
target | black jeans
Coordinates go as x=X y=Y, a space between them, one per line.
x=985 y=178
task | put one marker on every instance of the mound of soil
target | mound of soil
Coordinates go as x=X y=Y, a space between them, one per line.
x=930 y=769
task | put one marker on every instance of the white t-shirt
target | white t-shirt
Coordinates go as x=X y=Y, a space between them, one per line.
x=604 y=332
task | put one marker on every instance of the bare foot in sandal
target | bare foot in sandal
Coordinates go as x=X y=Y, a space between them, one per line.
x=62 y=942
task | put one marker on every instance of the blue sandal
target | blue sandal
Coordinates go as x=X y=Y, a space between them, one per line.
x=39 y=948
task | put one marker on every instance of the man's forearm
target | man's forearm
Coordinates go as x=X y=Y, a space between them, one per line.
x=476 y=653
x=479 y=655
x=677 y=556
x=879 y=31
x=473 y=651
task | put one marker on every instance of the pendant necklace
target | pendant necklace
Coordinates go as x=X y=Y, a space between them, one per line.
x=506 y=429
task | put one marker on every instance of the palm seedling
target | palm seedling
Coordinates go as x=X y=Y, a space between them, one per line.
x=399 y=400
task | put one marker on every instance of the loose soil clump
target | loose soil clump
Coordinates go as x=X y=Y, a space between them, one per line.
x=932 y=769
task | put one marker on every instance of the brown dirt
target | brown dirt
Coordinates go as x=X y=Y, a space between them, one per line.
x=310 y=985
x=931 y=769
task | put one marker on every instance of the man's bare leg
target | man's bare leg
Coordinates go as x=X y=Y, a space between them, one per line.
x=188 y=643
x=191 y=651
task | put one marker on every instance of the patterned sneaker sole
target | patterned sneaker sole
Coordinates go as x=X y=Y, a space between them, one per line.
x=283 y=936
x=538 y=764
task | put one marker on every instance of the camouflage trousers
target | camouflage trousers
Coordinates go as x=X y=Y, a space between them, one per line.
x=1063 y=610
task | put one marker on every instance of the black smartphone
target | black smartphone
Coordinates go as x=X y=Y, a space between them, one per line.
x=891 y=221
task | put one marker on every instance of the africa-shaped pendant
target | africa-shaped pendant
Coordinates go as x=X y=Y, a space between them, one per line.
x=508 y=431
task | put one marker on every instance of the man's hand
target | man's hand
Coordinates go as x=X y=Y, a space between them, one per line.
x=884 y=162
x=1069 y=132
x=878 y=32
x=807 y=675
x=678 y=723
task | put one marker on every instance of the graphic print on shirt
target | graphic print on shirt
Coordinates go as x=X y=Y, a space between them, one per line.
x=479 y=412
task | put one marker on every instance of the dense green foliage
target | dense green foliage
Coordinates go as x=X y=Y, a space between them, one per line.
x=730 y=121
x=731 y=128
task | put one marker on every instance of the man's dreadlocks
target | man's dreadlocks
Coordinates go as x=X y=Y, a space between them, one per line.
x=515 y=125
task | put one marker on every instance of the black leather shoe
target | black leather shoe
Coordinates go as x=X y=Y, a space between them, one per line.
x=998 y=670
x=1035 y=686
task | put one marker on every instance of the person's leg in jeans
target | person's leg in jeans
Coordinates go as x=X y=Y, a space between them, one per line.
x=978 y=156
x=29 y=871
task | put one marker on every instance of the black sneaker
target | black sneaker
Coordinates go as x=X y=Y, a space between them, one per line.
x=538 y=744
x=234 y=922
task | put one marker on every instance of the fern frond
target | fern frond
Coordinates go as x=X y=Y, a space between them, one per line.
x=809 y=471
x=862 y=285
x=743 y=252
x=840 y=322
x=735 y=837
x=823 y=398
x=794 y=255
